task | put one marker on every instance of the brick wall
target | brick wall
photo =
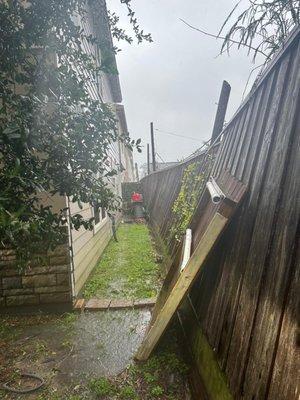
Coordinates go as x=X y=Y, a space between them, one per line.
x=41 y=285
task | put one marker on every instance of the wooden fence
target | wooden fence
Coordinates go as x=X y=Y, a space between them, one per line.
x=240 y=318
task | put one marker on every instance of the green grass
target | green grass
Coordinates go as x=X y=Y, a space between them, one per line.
x=162 y=377
x=127 y=268
x=102 y=387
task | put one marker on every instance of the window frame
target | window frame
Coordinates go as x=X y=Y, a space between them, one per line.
x=102 y=220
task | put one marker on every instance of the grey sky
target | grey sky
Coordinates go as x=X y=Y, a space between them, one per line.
x=175 y=81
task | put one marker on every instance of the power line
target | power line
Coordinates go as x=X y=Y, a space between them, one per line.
x=160 y=157
x=178 y=135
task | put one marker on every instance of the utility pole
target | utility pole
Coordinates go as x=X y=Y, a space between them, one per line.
x=148 y=158
x=221 y=110
x=137 y=172
x=152 y=145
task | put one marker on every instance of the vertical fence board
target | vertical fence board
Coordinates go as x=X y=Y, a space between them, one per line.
x=285 y=383
x=279 y=140
x=275 y=279
x=237 y=255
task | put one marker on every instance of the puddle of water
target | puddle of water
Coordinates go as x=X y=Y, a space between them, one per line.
x=104 y=343
x=67 y=352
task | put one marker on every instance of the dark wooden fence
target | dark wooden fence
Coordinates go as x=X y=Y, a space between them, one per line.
x=246 y=301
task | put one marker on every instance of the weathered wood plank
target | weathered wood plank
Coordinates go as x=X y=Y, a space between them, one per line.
x=231 y=140
x=182 y=285
x=276 y=277
x=247 y=158
x=285 y=381
x=243 y=128
x=214 y=380
x=223 y=313
x=213 y=221
x=222 y=149
x=253 y=118
x=262 y=230
x=235 y=263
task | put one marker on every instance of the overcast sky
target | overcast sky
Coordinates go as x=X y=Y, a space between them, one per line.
x=176 y=80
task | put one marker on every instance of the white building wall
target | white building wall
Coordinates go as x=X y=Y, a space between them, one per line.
x=89 y=245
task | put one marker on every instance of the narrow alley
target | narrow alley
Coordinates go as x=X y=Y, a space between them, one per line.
x=149 y=200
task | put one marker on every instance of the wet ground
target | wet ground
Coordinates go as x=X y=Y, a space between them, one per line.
x=127 y=269
x=105 y=342
x=89 y=355
x=67 y=352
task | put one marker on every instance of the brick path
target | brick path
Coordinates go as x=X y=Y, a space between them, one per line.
x=112 y=304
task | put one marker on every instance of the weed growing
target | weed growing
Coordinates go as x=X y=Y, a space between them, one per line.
x=7 y=331
x=102 y=387
x=162 y=377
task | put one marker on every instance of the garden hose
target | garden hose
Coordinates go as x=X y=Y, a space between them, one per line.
x=41 y=381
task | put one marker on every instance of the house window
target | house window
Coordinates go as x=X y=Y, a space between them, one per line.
x=100 y=216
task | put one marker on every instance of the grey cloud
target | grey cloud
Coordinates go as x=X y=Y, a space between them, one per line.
x=175 y=81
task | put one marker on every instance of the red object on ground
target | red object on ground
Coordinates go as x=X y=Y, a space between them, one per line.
x=136 y=197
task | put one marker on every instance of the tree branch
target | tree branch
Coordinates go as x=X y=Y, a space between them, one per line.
x=223 y=38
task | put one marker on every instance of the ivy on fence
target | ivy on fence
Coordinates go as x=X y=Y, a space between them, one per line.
x=193 y=182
